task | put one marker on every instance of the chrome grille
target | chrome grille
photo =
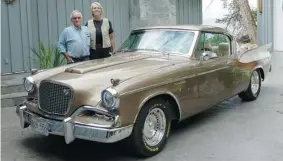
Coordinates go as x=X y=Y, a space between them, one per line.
x=55 y=98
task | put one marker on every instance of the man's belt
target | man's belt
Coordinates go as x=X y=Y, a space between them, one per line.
x=79 y=58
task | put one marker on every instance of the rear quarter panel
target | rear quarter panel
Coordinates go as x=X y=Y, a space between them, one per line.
x=260 y=58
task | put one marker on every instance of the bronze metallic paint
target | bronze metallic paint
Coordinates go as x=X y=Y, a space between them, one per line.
x=194 y=86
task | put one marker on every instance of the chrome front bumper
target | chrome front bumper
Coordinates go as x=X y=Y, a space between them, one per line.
x=70 y=129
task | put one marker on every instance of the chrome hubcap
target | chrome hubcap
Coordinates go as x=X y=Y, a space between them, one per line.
x=255 y=82
x=154 y=127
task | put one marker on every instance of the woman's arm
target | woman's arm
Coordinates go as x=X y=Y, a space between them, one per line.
x=113 y=43
x=112 y=36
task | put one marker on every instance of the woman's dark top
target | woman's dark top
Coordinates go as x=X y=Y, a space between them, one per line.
x=98 y=25
x=100 y=52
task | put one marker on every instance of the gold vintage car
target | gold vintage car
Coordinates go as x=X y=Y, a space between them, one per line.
x=159 y=75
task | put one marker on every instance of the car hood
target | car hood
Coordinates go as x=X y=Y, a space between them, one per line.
x=89 y=78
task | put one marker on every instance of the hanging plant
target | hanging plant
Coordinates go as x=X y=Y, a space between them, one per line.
x=9 y=1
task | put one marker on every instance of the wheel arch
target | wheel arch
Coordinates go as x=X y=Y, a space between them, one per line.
x=260 y=69
x=168 y=97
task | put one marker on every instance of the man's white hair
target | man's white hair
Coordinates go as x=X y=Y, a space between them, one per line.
x=76 y=11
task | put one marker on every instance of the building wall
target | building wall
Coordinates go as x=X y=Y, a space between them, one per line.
x=145 y=12
x=165 y=12
x=25 y=23
x=270 y=24
x=15 y=29
x=278 y=25
x=189 y=12
x=265 y=23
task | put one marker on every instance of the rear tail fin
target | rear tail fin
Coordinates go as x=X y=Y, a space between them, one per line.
x=255 y=54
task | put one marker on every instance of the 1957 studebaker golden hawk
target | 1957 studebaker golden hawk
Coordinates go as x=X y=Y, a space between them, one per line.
x=159 y=74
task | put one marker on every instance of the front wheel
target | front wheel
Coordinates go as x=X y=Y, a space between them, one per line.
x=254 y=87
x=151 y=129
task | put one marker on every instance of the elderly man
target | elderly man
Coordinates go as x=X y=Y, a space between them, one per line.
x=74 y=42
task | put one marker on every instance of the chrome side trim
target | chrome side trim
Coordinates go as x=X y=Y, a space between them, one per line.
x=159 y=84
x=156 y=94
x=171 y=81
x=211 y=71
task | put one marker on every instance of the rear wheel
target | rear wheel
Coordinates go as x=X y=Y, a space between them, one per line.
x=254 y=87
x=151 y=129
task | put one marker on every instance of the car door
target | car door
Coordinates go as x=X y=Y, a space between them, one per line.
x=215 y=70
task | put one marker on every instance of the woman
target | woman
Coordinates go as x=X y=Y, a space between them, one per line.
x=101 y=33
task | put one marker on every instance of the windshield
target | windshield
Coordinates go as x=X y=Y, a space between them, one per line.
x=176 y=42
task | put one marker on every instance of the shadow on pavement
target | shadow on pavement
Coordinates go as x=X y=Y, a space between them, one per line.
x=55 y=146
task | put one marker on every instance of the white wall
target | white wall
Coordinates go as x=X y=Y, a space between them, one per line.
x=165 y=12
x=152 y=12
x=278 y=25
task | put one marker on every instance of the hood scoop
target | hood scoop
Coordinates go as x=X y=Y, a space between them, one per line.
x=73 y=70
x=100 y=64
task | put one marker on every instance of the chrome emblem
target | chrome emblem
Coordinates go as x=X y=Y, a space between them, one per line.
x=66 y=92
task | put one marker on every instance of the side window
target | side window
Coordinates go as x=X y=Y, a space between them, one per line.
x=224 y=45
x=215 y=45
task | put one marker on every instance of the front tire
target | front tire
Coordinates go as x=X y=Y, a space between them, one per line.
x=254 y=87
x=152 y=128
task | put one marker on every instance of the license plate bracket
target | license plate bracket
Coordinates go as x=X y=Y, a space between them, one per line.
x=39 y=124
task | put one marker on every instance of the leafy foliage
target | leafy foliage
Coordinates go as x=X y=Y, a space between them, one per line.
x=234 y=19
x=254 y=14
x=49 y=57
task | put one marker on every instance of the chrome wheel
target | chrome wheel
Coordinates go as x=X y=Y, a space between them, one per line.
x=154 y=127
x=255 y=82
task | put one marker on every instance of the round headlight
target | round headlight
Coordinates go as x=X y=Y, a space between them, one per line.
x=109 y=100
x=29 y=84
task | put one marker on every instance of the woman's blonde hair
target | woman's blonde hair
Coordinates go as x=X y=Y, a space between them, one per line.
x=99 y=5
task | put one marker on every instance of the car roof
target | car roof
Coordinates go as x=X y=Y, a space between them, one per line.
x=206 y=28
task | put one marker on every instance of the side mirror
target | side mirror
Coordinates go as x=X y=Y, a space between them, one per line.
x=204 y=56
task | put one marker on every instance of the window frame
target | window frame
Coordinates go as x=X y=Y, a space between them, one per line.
x=230 y=38
x=188 y=55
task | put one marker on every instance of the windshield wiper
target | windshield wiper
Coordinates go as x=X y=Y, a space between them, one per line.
x=168 y=53
x=150 y=50
x=163 y=52
x=177 y=52
x=125 y=50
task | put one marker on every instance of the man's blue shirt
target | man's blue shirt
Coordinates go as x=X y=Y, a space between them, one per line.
x=75 y=41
